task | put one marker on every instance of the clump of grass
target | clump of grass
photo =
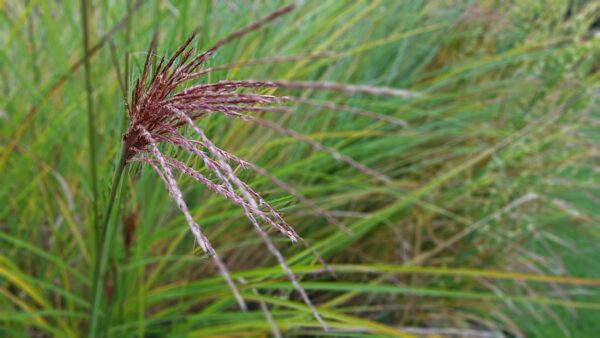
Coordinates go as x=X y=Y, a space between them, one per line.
x=452 y=203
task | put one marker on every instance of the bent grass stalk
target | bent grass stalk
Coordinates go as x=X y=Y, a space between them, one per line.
x=156 y=112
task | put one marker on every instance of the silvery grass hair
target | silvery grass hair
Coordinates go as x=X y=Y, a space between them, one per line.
x=158 y=111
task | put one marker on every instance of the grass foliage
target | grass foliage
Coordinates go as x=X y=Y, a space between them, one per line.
x=489 y=225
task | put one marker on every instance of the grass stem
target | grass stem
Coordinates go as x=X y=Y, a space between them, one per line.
x=102 y=256
x=90 y=114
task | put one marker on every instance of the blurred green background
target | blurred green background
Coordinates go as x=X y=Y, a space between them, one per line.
x=489 y=229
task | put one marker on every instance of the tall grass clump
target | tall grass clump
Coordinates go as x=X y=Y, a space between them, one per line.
x=412 y=168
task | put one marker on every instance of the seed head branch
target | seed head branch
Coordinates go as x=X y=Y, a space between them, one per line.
x=167 y=176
